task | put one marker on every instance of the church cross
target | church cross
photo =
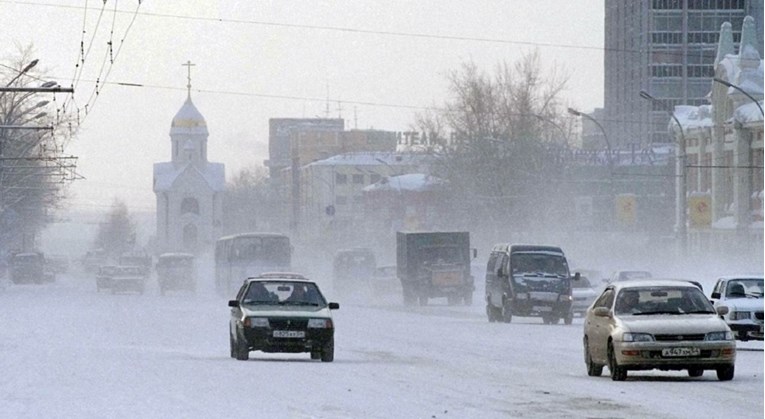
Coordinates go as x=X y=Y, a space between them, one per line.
x=188 y=86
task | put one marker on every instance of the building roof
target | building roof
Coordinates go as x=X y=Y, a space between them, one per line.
x=166 y=173
x=374 y=158
x=416 y=182
x=188 y=120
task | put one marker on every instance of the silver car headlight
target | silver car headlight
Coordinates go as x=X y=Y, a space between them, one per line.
x=320 y=323
x=256 y=322
x=727 y=335
x=740 y=315
x=637 y=337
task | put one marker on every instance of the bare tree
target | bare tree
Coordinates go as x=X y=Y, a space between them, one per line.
x=117 y=234
x=248 y=204
x=32 y=167
x=507 y=128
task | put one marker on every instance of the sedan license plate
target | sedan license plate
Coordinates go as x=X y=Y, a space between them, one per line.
x=542 y=308
x=676 y=352
x=289 y=334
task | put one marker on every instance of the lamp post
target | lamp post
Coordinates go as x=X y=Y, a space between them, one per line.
x=609 y=160
x=729 y=84
x=575 y=112
x=680 y=176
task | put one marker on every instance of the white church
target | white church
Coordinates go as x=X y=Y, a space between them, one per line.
x=189 y=189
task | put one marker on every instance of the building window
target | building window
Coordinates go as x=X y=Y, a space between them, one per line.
x=358 y=179
x=189 y=205
x=341 y=179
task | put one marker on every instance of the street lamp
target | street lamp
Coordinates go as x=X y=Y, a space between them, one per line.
x=21 y=73
x=575 y=112
x=680 y=175
x=729 y=84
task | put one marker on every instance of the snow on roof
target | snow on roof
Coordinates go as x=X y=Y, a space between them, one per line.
x=374 y=159
x=749 y=113
x=417 y=182
x=166 y=173
x=188 y=120
x=693 y=117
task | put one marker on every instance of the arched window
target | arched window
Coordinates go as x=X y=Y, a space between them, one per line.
x=189 y=205
x=190 y=237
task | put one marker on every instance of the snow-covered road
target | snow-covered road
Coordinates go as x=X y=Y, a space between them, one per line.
x=69 y=352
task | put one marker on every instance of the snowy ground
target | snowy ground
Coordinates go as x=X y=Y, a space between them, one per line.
x=69 y=352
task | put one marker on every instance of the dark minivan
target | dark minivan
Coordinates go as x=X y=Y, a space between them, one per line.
x=528 y=281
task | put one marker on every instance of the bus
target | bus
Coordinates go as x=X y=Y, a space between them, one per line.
x=240 y=256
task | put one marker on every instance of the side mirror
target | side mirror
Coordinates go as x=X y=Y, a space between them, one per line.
x=722 y=310
x=601 y=312
x=334 y=306
x=716 y=295
x=233 y=303
x=577 y=276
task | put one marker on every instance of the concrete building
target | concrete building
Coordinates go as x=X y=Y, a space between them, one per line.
x=667 y=48
x=724 y=167
x=331 y=193
x=189 y=189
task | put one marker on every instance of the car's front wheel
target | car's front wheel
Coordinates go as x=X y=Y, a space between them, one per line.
x=328 y=351
x=241 y=351
x=617 y=373
x=593 y=369
x=725 y=373
x=507 y=312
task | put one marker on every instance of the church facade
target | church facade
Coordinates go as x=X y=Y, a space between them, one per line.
x=189 y=189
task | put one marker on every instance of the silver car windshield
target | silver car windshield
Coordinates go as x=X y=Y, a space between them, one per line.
x=661 y=300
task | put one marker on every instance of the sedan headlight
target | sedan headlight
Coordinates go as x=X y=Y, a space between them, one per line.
x=637 y=337
x=256 y=322
x=727 y=335
x=320 y=323
x=740 y=315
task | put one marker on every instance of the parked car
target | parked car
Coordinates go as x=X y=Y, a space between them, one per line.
x=657 y=324
x=626 y=275
x=583 y=293
x=122 y=279
x=385 y=281
x=29 y=267
x=742 y=295
x=352 y=271
x=281 y=312
x=176 y=271
x=104 y=277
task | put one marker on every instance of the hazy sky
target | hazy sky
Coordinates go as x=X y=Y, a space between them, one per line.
x=256 y=60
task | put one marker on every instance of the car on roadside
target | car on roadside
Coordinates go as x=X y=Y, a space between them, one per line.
x=385 y=282
x=281 y=312
x=626 y=275
x=657 y=324
x=121 y=279
x=743 y=297
x=583 y=295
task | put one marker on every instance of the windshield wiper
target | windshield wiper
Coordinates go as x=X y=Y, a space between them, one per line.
x=297 y=303
x=700 y=312
x=648 y=313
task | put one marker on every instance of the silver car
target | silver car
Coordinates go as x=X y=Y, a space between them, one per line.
x=656 y=324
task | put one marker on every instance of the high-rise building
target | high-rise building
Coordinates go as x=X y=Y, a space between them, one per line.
x=668 y=49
